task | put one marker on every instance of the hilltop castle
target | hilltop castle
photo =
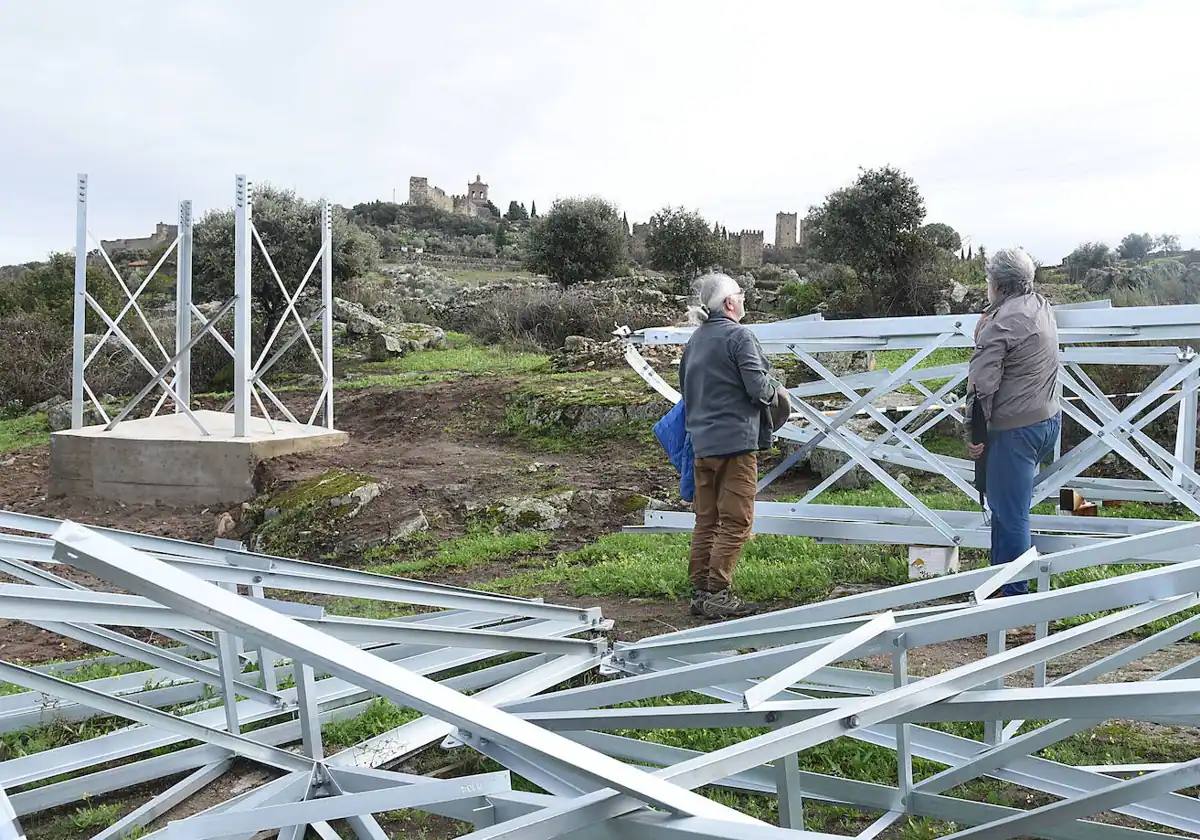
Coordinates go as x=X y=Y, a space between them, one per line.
x=473 y=203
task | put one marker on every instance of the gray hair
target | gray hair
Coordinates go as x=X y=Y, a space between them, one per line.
x=1010 y=271
x=711 y=291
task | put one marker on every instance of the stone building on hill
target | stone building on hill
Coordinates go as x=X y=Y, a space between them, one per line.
x=163 y=235
x=473 y=203
x=749 y=245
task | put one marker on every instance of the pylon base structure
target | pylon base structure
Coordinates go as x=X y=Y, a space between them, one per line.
x=165 y=460
x=156 y=447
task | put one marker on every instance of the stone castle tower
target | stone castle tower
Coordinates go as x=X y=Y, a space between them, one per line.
x=750 y=248
x=785 y=230
x=477 y=191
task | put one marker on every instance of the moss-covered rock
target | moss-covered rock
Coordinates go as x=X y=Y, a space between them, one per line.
x=309 y=517
x=585 y=402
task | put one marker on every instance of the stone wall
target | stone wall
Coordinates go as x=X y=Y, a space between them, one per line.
x=420 y=192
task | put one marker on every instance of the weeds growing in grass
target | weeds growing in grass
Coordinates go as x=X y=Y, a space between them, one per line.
x=461 y=359
x=475 y=548
x=655 y=566
x=23 y=432
x=380 y=716
x=96 y=816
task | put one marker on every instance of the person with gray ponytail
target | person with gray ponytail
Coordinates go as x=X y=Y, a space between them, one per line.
x=1013 y=410
x=728 y=395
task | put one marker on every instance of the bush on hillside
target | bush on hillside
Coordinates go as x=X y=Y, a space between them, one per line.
x=680 y=241
x=579 y=239
x=545 y=317
x=874 y=227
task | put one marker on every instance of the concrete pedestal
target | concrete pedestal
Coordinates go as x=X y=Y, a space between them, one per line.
x=926 y=561
x=165 y=460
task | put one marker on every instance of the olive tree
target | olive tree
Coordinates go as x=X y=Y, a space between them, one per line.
x=578 y=239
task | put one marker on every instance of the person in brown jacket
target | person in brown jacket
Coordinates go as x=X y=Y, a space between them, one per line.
x=728 y=395
x=1012 y=380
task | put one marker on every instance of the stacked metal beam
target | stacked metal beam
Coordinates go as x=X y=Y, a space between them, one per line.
x=798 y=678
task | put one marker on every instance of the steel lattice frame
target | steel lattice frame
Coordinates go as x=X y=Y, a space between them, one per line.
x=1089 y=334
x=172 y=375
x=778 y=673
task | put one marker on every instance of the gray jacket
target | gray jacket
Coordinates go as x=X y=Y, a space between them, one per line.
x=1015 y=365
x=727 y=389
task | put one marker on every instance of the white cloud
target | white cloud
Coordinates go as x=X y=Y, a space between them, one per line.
x=1037 y=123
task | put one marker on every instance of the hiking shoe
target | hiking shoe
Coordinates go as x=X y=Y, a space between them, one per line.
x=724 y=604
x=699 y=596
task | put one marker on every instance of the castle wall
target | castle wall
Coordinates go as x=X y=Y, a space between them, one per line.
x=163 y=234
x=420 y=192
x=750 y=248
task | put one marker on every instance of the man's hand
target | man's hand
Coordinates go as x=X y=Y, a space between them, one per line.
x=975 y=450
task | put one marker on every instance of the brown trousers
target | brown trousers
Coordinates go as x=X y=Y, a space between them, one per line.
x=724 y=505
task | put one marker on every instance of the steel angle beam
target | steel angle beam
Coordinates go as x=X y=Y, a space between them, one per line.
x=840 y=648
x=141 y=573
x=415 y=795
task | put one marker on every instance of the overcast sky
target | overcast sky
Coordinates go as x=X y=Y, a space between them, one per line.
x=1034 y=123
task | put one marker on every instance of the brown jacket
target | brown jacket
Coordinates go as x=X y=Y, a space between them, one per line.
x=1014 y=368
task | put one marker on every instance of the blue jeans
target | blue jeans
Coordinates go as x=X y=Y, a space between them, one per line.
x=1013 y=456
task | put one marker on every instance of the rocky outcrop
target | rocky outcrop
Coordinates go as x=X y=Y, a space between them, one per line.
x=310 y=516
x=580 y=353
x=386 y=338
x=556 y=510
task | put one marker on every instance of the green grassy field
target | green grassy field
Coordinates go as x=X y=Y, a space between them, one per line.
x=23 y=432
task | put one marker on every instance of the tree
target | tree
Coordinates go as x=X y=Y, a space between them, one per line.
x=625 y=223
x=679 y=241
x=501 y=237
x=533 y=209
x=291 y=231
x=1168 y=242
x=1087 y=256
x=1136 y=246
x=942 y=236
x=872 y=226
x=579 y=239
x=516 y=212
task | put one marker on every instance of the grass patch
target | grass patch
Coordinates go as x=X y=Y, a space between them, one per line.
x=892 y=359
x=88 y=671
x=482 y=276
x=23 y=432
x=475 y=548
x=462 y=358
x=380 y=716
x=655 y=566
x=879 y=496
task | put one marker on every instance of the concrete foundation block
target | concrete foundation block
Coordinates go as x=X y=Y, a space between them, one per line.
x=166 y=460
x=926 y=561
